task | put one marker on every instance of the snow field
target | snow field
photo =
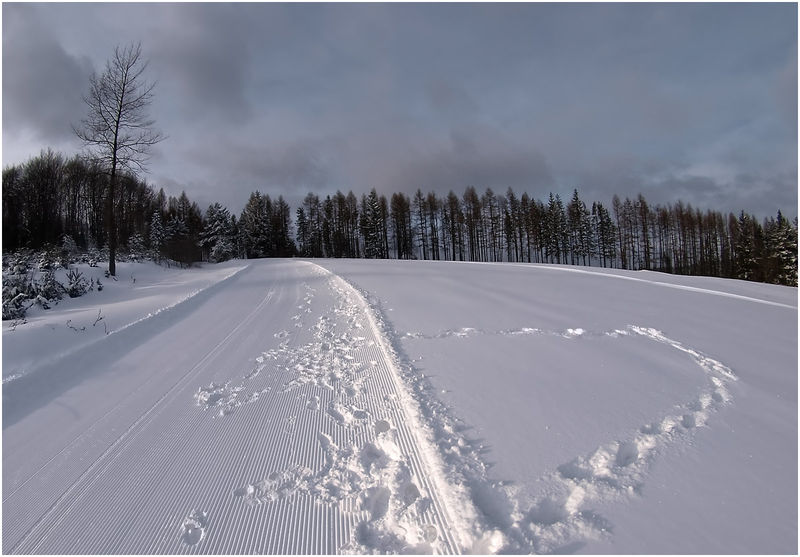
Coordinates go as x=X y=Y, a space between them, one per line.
x=576 y=414
x=560 y=516
x=372 y=406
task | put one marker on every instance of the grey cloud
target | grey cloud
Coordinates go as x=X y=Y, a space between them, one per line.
x=289 y=166
x=470 y=158
x=669 y=100
x=764 y=194
x=204 y=61
x=786 y=90
x=704 y=192
x=43 y=85
x=280 y=168
x=449 y=98
x=665 y=183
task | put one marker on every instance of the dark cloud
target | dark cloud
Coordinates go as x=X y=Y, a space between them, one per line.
x=696 y=101
x=203 y=59
x=470 y=159
x=449 y=98
x=42 y=84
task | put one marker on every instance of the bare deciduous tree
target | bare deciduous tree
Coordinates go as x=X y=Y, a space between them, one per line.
x=117 y=128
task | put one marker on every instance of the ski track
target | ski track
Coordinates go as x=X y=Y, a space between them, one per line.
x=345 y=468
x=59 y=510
x=332 y=442
x=372 y=464
x=687 y=288
x=174 y=309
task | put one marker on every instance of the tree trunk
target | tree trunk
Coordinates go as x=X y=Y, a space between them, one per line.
x=112 y=226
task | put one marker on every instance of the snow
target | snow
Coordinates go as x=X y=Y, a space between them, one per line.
x=139 y=291
x=286 y=406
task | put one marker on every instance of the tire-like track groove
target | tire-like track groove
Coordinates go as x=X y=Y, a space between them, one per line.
x=94 y=471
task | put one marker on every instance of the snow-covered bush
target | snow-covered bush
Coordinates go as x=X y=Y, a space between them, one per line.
x=13 y=303
x=48 y=288
x=136 y=247
x=93 y=256
x=21 y=289
x=17 y=284
x=76 y=284
x=30 y=279
x=48 y=259
x=69 y=250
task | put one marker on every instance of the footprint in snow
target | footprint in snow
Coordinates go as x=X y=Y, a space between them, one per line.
x=193 y=528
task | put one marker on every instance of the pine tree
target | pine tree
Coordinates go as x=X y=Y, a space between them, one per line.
x=314 y=216
x=302 y=232
x=781 y=252
x=371 y=225
x=421 y=217
x=255 y=224
x=218 y=238
x=281 y=228
x=158 y=235
x=746 y=259
x=432 y=204
x=576 y=216
x=136 y=247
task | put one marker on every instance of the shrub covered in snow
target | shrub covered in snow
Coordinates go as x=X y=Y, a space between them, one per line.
x=48 y=259
x=137 y=250
x=76 y=283
x=17 y=284
x=29 y=278
x=48 y=289
x=69 y=250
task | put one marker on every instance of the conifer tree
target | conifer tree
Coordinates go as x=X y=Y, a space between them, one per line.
x=255 y=225
x=218 y=238
x=157 y=235
x=371 y=225
x=781 y=252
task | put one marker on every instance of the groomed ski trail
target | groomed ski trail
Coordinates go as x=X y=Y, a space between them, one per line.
x=281 y=426
x=31 y=540
x=451 y=506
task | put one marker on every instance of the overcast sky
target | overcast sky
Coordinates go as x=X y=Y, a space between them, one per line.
x=690 y=101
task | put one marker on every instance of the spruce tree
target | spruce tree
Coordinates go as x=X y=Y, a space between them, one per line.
x=158 y=235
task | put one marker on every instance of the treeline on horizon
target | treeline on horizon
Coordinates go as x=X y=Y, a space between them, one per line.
x=51 y=196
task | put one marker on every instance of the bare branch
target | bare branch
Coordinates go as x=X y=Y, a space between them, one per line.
x=117 y=129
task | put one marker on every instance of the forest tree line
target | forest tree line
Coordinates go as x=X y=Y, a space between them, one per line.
x=52 y=196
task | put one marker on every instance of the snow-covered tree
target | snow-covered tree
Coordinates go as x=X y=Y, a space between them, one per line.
x=746 y=257
x=781 y=251
x=255 y=225
x=136 y=246
x=371 y=225
x=158 y=235
x=68 y=247
x=218 y=237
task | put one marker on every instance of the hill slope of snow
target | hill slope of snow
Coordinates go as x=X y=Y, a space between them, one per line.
x=624 y=412
x=371 y=406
